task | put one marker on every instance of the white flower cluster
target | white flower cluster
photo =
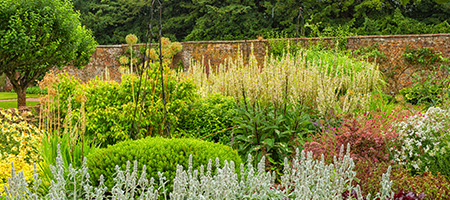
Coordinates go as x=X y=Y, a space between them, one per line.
x=304 y=178
x=423 y=137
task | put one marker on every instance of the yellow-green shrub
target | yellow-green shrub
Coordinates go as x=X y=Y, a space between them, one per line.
x=17 y=135
x=19 y=165
x=18 y=144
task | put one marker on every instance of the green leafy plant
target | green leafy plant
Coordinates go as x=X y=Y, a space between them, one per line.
x=270 y=132
x=38 y=35
x=279 y=44
x=426 y=93
x=36 y=90
x=72 y=154
x=209 y=118
x=112 y=110
x=430 y=83
x=158 y=154
x=425 y=56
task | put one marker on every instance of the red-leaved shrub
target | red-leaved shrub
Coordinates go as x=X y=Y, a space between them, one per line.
x=424 y=186
x=369 y=138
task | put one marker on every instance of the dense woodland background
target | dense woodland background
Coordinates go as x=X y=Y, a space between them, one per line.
x=112 y=20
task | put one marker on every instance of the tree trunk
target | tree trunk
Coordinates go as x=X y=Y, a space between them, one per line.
x=21 y=96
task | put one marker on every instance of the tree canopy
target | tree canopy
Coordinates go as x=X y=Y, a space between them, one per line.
x=112 y=20
x=36 y=35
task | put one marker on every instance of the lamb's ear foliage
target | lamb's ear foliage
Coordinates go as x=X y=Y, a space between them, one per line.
x=318 y=180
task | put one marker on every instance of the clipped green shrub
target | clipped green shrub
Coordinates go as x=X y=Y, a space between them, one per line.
x=157 y=154
x=209 y=118
x=36 y=90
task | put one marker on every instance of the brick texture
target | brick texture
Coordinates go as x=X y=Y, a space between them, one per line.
x=213 y=53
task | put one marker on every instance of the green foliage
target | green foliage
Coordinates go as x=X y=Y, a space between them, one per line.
x=371 y=53
x=431 y=80
x=426 y=93
x=425 y=56
x=232 y=20
x=400 y=21
x=441 y=164
x=209 y=118
x=72 y=152
x=157 y=154
x=111 y=107
x=271 y=132
x=278 y=45
x=227 y=20
x=36 y=90
x=37 y=35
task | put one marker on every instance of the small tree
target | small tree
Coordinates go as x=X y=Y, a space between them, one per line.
x=37 y=35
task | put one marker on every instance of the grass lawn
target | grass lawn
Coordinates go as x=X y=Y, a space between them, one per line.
x=13 y=104
x=13 y=95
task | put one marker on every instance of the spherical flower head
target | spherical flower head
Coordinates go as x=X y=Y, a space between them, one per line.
x=134 y=60
x=176 y=47
x=165 y=41
x=131 y=39
x=123 y=60
x=152 y=54
x=122 y=69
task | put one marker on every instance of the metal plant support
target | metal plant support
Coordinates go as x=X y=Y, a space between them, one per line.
x=300 y=15
x=136 y=125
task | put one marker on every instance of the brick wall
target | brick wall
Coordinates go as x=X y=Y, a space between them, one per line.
x=213 y=53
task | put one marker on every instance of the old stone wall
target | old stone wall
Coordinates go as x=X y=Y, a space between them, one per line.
x=213 y=53
x=395 y=68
